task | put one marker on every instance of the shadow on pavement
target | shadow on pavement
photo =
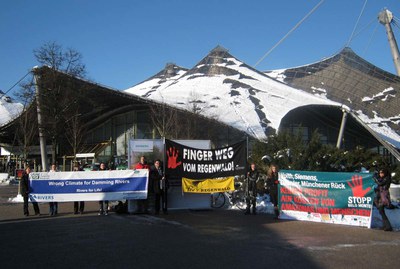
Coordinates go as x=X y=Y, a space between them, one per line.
x=182 y=239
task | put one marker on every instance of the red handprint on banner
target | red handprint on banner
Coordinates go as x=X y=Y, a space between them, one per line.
x=356 y=185
x=172 y=155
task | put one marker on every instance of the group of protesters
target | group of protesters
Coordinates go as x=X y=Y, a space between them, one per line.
x=382 y=200
x=271 y=186
x=158 y=186
x=157 y=191
x=53 y=206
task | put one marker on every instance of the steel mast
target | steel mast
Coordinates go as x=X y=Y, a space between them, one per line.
x=385 y=17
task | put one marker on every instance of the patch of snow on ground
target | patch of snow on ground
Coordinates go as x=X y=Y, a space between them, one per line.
x=16 y=199
x=392 y=214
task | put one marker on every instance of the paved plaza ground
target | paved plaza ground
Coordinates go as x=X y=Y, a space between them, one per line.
x=184 y=239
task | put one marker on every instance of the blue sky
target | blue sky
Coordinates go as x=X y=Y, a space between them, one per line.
x=126 y=42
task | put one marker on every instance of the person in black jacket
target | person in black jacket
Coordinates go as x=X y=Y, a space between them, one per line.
x=159 y=185
x=252 y=178
x=103 y=210
x=25 y=192
x=382 y=197
x=272 y=187
x=79 y=206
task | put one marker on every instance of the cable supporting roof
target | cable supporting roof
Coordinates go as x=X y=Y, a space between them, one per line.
x=294 y=28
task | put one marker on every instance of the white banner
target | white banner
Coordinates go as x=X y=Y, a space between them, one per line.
x=88 y=185
x=142 y=145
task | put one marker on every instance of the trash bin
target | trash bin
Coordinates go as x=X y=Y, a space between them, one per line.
x=394 y=192
x=132 y=206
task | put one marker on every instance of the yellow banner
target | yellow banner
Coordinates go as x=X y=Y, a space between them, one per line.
x=208 y=185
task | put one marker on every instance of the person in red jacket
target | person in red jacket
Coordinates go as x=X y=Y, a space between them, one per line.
x=142 y=164
x=143 y=205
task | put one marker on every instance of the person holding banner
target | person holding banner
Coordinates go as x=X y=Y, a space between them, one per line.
x=382 y=198
x=103 y=204
x=252 y=178
x=25 y=192
x=272 y=187
x=78 y=205
x=159 y=187
x=143 y=205
x=53 y=206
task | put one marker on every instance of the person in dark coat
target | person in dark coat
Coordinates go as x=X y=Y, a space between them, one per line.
x=272 y=187
x=159 y=185
x=25 y=192
x=382 y=197
x=103 y=210
x=252 y=178
x=79 y=206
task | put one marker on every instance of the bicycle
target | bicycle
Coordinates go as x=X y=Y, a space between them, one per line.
x=237 y=198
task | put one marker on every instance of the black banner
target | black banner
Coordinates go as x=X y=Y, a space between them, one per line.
x=183 y=161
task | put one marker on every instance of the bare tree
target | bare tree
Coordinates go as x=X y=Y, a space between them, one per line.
x=165 y=120
x=190 y=124
x=75 y=132
x=26 y=131
x=57 y=92
x=55 y=57
x=194 y=103
x=195 y=124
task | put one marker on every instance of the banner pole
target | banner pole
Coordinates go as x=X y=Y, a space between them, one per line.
x=165 y=152
x=247 y=148
x=247 y=165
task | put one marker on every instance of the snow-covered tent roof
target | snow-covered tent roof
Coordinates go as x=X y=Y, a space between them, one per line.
x=166 y=76
x=98 y=103
x=371 y=93
x=224 y=88
x=9 y=109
